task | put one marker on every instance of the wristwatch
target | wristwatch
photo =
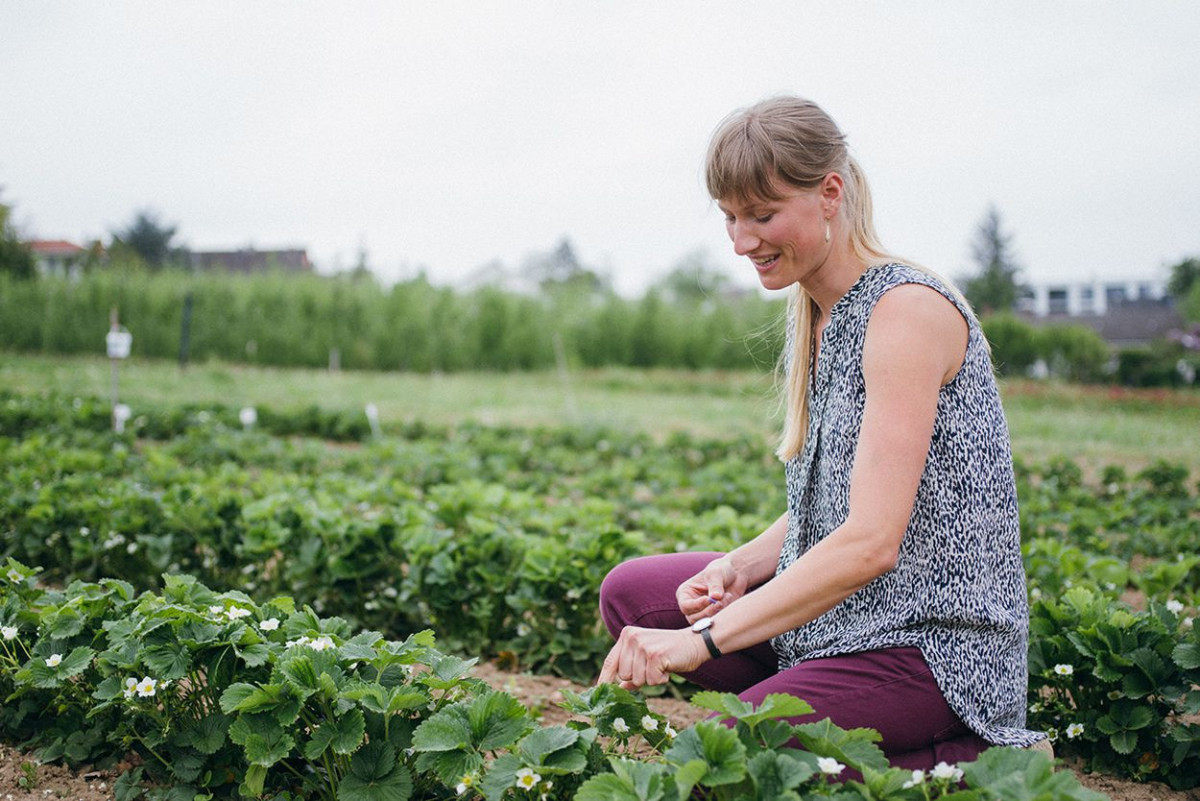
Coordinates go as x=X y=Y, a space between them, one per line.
x=701 y=627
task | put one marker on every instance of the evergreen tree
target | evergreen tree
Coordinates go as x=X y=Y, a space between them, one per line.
x=16 y=258
x=150 y=240
x=1184 y=276
x=994 y=288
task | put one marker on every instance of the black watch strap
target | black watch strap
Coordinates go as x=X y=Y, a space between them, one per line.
x=708 y=641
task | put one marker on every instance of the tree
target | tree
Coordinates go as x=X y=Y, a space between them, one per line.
x=1184 y=276
x=560 y=269
x=995 y=287
x=694 y=278
x=150 y=240
x=16 y=259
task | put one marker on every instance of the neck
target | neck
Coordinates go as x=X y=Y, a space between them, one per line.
x=834 y=277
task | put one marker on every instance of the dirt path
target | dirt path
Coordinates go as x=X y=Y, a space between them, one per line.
x=47 y=782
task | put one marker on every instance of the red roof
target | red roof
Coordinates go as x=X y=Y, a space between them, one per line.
x=54 y=247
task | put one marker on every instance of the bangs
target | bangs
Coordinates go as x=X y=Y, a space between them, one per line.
x=742 y=163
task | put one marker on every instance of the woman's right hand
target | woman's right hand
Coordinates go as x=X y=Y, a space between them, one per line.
x=712 y=589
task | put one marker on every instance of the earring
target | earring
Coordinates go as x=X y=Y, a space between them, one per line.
x=826 y=229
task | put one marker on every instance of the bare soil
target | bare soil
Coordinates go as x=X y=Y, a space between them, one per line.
x=542 y=693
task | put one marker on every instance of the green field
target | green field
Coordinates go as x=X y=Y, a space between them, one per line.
x=1094 y=426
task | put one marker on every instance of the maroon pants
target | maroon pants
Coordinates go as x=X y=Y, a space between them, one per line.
x=891 y=690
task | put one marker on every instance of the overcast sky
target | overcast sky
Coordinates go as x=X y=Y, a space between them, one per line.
x=445 y=135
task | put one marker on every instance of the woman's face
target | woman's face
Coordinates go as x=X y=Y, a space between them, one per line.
x=784 y=239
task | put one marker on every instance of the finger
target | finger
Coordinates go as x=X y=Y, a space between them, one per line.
x=608 y=672
x=716 y=583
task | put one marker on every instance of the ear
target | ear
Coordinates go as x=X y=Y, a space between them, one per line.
x=832 y=190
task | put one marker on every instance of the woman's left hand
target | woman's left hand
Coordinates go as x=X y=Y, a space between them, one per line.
x=649 y=656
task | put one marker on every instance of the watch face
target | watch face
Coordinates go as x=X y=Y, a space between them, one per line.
x=702 y=624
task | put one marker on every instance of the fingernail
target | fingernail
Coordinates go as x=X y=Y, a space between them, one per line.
x=712 y=600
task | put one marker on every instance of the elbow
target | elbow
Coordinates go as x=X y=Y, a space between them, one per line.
x=882 y=559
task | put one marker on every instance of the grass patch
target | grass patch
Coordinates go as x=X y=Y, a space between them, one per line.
x=1094 y=426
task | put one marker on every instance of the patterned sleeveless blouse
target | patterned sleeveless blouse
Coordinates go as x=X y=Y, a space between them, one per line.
x=958 y=589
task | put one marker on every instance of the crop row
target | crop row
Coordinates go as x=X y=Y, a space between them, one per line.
x=219 y=697
x=498 y=540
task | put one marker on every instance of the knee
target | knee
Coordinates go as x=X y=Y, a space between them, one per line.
x=624 y=591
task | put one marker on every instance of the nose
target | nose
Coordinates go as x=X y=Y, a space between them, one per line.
x=744 y=240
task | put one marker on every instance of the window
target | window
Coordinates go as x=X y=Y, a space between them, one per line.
x=1087 y=300
x=1058 y=300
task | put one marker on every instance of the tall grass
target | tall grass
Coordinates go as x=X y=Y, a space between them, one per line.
x=303 y=320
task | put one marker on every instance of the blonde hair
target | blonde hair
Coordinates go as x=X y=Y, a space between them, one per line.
x=792 y=141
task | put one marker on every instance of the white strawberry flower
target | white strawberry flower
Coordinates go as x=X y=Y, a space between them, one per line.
x=830 y=765
x=216 y=611
x=944 y=771
x=620 y=726
x=237 y=612
x=130 y=686
x=1074 y=730
x=670 y=731
x=321 y=644
x=147 y=687
x=649 y=723
x=270 y=624
x=918 y=777
x=54 y=661
x=9 y=632
x=1174 y=607
x=1064 y=670
x=527 y=779
x=14 y=575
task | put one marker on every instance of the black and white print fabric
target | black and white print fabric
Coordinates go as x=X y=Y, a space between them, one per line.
x=958 y=589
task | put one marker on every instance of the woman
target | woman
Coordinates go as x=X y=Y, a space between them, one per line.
x=891 y=593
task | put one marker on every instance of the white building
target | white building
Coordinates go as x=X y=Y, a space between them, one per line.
x=1092 y=297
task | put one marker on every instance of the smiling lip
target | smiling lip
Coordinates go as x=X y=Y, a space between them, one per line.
x=764 y=264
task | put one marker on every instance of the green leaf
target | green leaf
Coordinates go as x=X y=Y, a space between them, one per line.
x=854 y=747
x=207 y=734
x=267 y=749
x=1187 y=655
x=243 y=697
x=688 y=775
x=776 y=706
x=169 y=661
x=255 y=654
x=66 y=623
x=446 y=730
x=375 y=775
x=1123 y=742
x=497 y=720
x=546 y=740
x=727 y=704
x=75 y=662
x=630 y=781
x=252 y=784
x=773 y=773
x=1014 y=774
x=717 y=746
x=186 y=763
x=609 y=787
x=343 y=734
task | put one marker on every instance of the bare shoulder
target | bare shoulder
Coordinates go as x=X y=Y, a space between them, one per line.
x=914 y=323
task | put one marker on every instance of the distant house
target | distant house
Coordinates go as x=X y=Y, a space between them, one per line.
x=1124 y=312
x=249 y=260
x=57 y=257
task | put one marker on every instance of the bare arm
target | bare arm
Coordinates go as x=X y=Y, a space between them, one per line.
x=915 y=344
x=725 y=580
